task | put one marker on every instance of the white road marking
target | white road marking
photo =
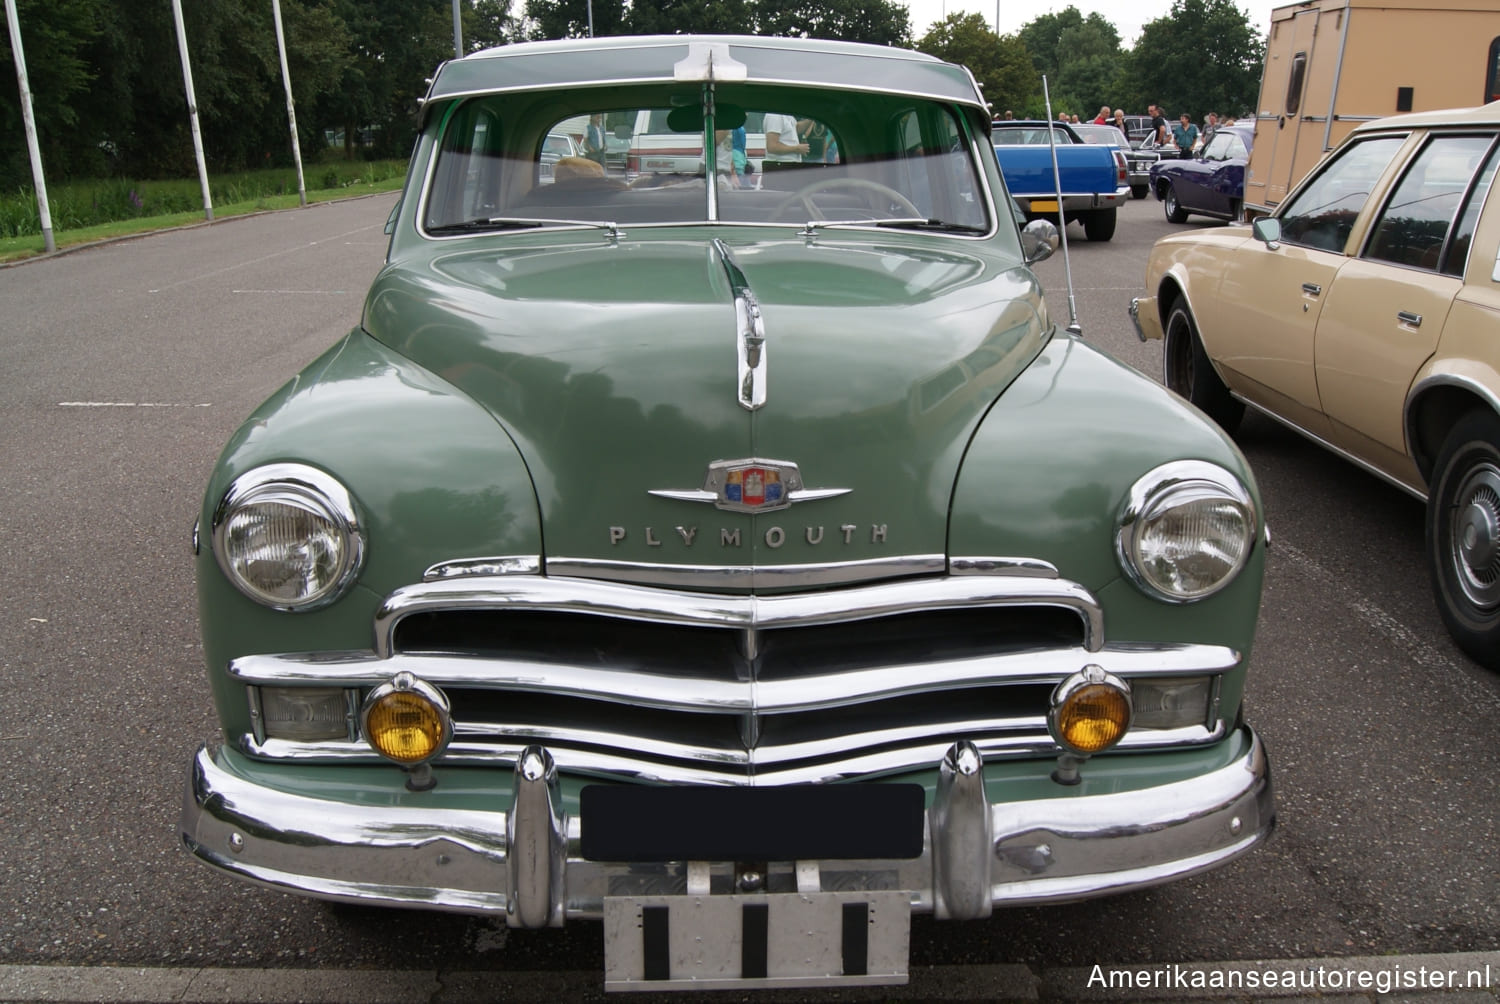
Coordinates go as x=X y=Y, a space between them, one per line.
x=129 y=404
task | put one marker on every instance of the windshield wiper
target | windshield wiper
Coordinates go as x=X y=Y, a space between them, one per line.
x=935 y=226
x=899 y=223
x=493 y=224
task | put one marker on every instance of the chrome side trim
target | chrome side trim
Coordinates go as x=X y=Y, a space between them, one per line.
x=750 y=333
x=420 y=852
x=512 y=564
x=809 y=576
x=1368 y=468
x=667 y=606
x=1003 y=566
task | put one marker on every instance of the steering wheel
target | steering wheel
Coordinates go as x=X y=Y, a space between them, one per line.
x=803 y=196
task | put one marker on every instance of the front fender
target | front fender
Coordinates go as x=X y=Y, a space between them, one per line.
x=1065 y=509
x=433 y=477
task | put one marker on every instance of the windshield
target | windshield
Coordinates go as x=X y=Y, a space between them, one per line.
x=777 y=155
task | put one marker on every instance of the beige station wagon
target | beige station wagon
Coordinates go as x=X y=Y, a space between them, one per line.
x=1365 y=314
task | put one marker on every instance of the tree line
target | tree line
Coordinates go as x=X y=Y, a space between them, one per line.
x=109 y=99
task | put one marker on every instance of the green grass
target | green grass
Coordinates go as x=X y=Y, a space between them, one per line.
x=87 y=211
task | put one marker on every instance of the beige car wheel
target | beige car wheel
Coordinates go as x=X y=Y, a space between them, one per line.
x=1189 y=372
x=1463 y=535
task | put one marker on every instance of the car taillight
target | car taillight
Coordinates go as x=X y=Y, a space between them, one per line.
x=1122 y=172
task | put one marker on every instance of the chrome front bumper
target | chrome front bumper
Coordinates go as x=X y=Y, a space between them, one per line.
x=1143 y=318
x=523 y=859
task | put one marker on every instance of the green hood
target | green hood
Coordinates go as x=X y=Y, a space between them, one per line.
x=613 y=367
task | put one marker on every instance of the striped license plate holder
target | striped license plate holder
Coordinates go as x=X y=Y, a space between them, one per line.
x=730 y=942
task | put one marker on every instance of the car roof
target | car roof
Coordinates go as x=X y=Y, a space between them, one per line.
x=1481 y=115
x=626 y=60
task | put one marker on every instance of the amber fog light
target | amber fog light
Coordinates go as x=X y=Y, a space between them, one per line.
x=406 y=720
x=1090 y=711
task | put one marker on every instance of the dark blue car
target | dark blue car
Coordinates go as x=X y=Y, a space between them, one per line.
x=1211 y=183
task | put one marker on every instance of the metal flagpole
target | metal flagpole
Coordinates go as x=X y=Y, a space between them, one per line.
x=291 y=111
x=458 y=33
x=44 y=211
x=192 y=100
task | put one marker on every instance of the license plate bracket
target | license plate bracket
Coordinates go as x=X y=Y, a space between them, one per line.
x=727 y=942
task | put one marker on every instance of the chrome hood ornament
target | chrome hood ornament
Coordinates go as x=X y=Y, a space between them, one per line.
x=752 y=486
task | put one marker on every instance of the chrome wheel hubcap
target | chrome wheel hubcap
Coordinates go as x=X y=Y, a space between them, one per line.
x=1476 y=536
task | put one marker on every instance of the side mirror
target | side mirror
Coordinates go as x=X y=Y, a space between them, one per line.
x=1267 y=229
x=1039 y=239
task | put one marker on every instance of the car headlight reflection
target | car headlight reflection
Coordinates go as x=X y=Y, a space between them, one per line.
x=1187 y=530
x=287 y=536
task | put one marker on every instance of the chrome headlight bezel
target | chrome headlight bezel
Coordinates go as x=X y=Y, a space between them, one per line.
x=1171 y=487
x=316 y=493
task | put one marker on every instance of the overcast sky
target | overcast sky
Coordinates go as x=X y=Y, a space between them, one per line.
x=1126 y=15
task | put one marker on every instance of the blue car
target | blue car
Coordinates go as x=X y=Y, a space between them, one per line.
x=1211 y=183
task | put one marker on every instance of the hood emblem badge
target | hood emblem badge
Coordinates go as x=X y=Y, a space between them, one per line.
x=752 y=486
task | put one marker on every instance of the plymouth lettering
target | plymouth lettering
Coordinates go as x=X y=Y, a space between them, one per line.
x=774 y=537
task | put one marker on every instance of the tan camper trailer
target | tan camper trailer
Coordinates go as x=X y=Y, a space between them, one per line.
x=1332 y=64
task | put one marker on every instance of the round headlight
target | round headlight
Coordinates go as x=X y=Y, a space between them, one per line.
x=406 y=720
x=286 y=535
x=1090 y=711
x=1186 y=531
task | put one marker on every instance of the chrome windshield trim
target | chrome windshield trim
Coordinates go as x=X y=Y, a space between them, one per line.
x=749 y=334
x=808 y=576
x=670 y=606
x=767 y=697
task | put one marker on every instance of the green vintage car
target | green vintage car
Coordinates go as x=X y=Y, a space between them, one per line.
x=734 y=552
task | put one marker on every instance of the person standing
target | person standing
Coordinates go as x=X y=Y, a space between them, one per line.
x=782 y=142
x=1103 y=117
x=1210 y=126
x=593 y=139
x=1119 y=123
x=1185 y=134
x=1159 y=134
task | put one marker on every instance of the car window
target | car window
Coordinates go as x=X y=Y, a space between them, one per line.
x=1031 y=136
x=1322 y=214
x=1456 y=256
x=1225 y=146
x=1416 y=220
x=780 y=155
x=1099 y=135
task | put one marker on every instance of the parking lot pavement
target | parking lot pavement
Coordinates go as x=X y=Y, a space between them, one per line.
x=1461 y=978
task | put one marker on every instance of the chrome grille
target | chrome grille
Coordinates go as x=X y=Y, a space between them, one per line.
x=673 y=685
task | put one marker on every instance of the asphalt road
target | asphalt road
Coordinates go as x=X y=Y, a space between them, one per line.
x=127 y=366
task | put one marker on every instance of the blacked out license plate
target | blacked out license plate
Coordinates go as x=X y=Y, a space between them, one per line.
x=805 y=822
